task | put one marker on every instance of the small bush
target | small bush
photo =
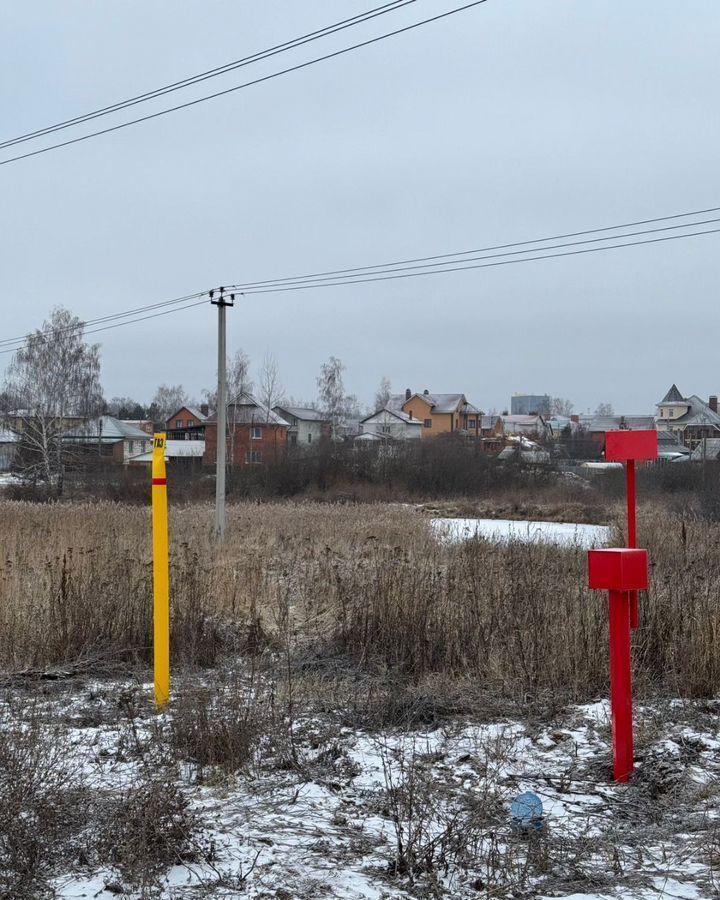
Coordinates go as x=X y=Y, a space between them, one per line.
x=42 y=808
x=217 y=728
x=149 y=829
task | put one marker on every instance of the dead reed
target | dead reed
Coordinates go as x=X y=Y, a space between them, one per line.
x=354 y=590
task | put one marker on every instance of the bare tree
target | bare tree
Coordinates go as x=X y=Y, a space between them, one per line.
x=604 y=409
x=167 y=400
x=331 y=391
x=125 y=408
x=270 y=390
x=55 y=381
x=238 y=380
x=559 y=406
x=382 y=397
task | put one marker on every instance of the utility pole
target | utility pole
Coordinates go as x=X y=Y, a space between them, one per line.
x=221 y=301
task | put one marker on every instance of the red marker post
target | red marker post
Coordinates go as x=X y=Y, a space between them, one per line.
x=629 y=447
x=621 y=572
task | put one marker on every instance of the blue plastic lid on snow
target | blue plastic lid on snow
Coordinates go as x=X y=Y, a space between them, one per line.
x=527 y=810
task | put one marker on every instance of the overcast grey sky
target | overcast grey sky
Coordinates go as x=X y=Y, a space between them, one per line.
x=513 y=120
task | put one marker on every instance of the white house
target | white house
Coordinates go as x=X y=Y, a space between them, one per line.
x=391 y=424
x=307 y=426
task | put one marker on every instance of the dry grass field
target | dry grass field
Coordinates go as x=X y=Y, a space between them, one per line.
x=375 y=698
x=340 y=588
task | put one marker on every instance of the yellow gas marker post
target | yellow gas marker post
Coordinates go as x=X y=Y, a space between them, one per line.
x=161 y=574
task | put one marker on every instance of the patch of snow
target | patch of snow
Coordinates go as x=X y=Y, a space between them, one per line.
x=565 y=534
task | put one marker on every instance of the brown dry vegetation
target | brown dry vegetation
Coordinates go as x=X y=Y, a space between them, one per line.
x=356 y=596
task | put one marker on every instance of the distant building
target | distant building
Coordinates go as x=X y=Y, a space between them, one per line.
x=307 y=426
x=530 y=404
x=691 y=419
x=439 y=413
x=533 y=426
x=186 y=424
x=390 y=424
x=255 y=435
x=179 y=453
x=594 y=429
x=8 y=449
x=145 y=425
x=110 y=438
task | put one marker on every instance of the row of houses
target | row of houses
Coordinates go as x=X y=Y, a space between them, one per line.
x=687 y=426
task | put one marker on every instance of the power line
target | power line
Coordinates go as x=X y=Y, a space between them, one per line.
x=463 y=268
x=192 y=80
x=178 y=304
x=38 y=336
x=22 y=339
x=447 y=256
x=246 y=84
x=312 y=281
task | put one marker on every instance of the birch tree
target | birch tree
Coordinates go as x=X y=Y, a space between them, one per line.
x=331 y=391
x=382 y=397
x=270 y=390
x=54 y=378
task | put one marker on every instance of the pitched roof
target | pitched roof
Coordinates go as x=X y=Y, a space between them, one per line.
x=441 y=403
x=616 y=423
x=699 y=413
x=673 y=396
x=106 y=428
x=174 y=450
x=245 y=410
x=195 y=413
x=304 y=413
x=398 y=413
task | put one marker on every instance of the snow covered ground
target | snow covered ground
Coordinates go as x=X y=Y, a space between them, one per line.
x=424 y=813
x=563 y=533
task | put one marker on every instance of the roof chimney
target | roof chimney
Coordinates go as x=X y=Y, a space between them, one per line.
x=713 y=403
x=408 y=394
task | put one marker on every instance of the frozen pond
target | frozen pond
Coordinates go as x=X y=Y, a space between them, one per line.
x=567 y=534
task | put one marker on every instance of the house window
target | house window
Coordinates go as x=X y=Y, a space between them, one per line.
x=310 y=438
x=179 y=423
x=471 y=423
x=385 y=429
x=427 y=423
x=253 y=456
x=257 y=433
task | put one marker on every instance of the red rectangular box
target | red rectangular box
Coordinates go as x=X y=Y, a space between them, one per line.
x=618 y=570
x=621 y=446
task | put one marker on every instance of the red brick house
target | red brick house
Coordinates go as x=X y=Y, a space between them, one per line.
x=187 y=423
x=255 y=435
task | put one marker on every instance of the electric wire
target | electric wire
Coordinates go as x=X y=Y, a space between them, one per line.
x=189 y=301
x=21 y=339
x=50 y=332
x=463 y=268
x=319 y=281
x=447 y=256
x=246 y=84
x=192 y=80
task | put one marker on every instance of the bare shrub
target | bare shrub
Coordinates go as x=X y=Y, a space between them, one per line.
x=150 y=828
x=218 y=727
x=42 y=807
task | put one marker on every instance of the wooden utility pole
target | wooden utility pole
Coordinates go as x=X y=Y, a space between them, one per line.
x=221 y=300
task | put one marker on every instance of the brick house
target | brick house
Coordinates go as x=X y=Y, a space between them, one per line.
x=186 y=424
x=254 y=435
